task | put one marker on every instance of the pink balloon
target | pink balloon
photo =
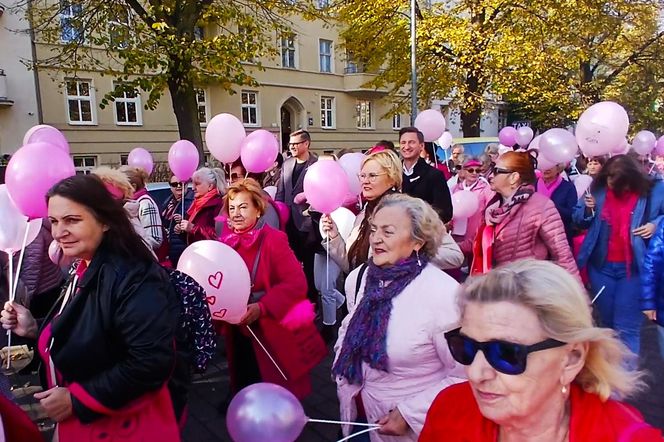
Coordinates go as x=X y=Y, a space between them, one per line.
x=142 y=159
x=43 y=133
x=351 y=163
x=507 y=136
x=543 y=163
x=431 y=123
x=183 y=159
x=224 y=135
x=221 y=271
x=445 y=141
x=582 y=184
x=32 y=171
x=558 y=145
x=623 y=148
x=464 y=204
x=325 y=186
x=659 y=147
x=534 y=144
x=601 y=128
x=524 y=135
x=258 y=151
x=265 y=409
x=54 y=252
x=644 y=142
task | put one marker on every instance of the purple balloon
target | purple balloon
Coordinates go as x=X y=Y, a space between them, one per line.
x=183 y=159
x=601 y=128
x=558 y=145
x=351 y=163
x=224 y=135
x=31 y=172
x=43 y=133
x=325 y=186
x=263 y=412
x=141 y=158
x=259 y=151
x=524 y=135
x=431 y=123
x=659 y=147
x=644 y=142
x=507 y=136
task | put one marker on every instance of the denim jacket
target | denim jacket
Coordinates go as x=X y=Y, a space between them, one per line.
x=595 y=246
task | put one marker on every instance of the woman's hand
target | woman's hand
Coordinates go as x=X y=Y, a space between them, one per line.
x=253 y=313
x=590 y=201
x=393 y=424
x=56 y=403
x=177 y=217
x=645 y=231
x=651 y=314
x=186 y=226
x=329 y=226
x=19 y=320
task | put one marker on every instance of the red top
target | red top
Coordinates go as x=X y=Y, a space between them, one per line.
x=455 y=417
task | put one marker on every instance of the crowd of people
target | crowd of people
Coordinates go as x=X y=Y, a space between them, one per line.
x=418 y=304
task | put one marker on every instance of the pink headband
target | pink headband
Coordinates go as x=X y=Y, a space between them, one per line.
x=471 y=163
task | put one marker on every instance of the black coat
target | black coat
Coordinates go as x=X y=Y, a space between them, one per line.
x=429 y=183
x=116 y=336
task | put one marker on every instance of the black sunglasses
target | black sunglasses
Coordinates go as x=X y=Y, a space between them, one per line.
x=177 y=185
x=505 y=357
x=498 y=171
x=471 y=170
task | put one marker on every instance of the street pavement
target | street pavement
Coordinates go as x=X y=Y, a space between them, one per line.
x=207 y=424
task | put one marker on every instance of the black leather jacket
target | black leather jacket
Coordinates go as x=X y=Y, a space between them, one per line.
x=116 y=335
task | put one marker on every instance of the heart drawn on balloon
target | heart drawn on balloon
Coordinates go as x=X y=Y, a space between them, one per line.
x=215 y=280
x=211 y=299
x=220 y=314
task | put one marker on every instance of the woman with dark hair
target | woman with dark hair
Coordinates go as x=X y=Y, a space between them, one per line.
x=271 y=177
x=519 y=222
x=621 y=214
x=108 y=346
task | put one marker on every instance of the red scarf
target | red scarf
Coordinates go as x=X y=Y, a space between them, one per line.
x=200 y=202
x=617 y=212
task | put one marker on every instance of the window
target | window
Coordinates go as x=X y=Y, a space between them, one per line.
x=288 y=51
x=363 y=114
x=250 y=108
x=325 y=54
x=119 y=28
x=128 y=109
x=396 y=121
x=201 y=101
x=70 y=30
x=327 y=112
x=84 y=165
x=124 y=159
x=502 y=118
x=322 y=4
x=80 y=102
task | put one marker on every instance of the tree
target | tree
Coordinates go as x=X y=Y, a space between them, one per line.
x=159 y=45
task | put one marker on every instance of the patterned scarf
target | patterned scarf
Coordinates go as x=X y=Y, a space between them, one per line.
x=495 y=213
x=366 y=336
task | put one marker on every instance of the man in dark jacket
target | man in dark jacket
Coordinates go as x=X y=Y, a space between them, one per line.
x=171 y=215
x=421 y=180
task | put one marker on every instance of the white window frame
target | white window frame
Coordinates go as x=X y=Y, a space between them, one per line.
x=85 y=168
x=359 y=118
x=120 y=24
x=289 y=48
x=124 y=101
x=81 y=98
x=396 y=122
x=249 y=107
x=328 y=112
x=321 y=54
x=322 y=4
x=67 y=13
x=202 y=104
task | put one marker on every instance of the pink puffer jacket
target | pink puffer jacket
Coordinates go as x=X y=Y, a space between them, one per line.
x=534 y=230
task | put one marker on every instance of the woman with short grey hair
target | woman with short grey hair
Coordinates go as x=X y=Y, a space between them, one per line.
x=209 y=188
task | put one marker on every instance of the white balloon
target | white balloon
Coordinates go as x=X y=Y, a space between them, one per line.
x=344 y=219
x=14 y=224
x=445 y=141
x=271 y=190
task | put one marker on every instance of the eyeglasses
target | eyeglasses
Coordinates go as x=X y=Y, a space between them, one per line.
x=498 y=171
x=506 y=357
x=176 y=185
x=370 y=177
x=296 y=143
x=472 y=170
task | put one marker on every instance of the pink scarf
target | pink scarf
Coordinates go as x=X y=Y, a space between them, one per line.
x=547 y=190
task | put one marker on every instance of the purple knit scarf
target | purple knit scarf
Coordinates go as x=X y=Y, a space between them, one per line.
x=366 y=336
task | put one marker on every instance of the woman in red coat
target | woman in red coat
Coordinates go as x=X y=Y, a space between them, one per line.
x=278 y=310
x=552 y=375
x=209 y=188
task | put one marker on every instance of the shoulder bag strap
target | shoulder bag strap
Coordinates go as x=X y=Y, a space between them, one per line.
x=358 y=283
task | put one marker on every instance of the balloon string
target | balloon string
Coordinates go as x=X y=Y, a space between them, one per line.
x=267 y=353
x=10 y=283
x=368 y=430
x=597 y=295
x=20 y=262
x=359 y=424
x=184 y=192
x=327 y=263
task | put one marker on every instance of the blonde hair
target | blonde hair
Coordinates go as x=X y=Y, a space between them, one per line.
x=563 y=309
x=137 y=176
x=250 y=186
x=425 y=223
x=214 y=176
x=115 y=178
x=390 y=163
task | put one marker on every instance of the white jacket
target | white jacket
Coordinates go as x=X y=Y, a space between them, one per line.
x=419 y=359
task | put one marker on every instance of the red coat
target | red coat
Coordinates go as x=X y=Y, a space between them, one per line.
x=455 y=417
x=281 y=276
x=16 y=424
x=203 y=221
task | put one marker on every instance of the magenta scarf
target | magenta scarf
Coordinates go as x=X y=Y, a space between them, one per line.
x=548 y=190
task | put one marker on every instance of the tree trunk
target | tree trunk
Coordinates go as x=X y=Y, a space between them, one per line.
x=185 y=107
x=471 y=110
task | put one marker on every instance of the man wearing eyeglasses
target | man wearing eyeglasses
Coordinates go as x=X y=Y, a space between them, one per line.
x=420 y=179
x=171 y=215
x=290 y=190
